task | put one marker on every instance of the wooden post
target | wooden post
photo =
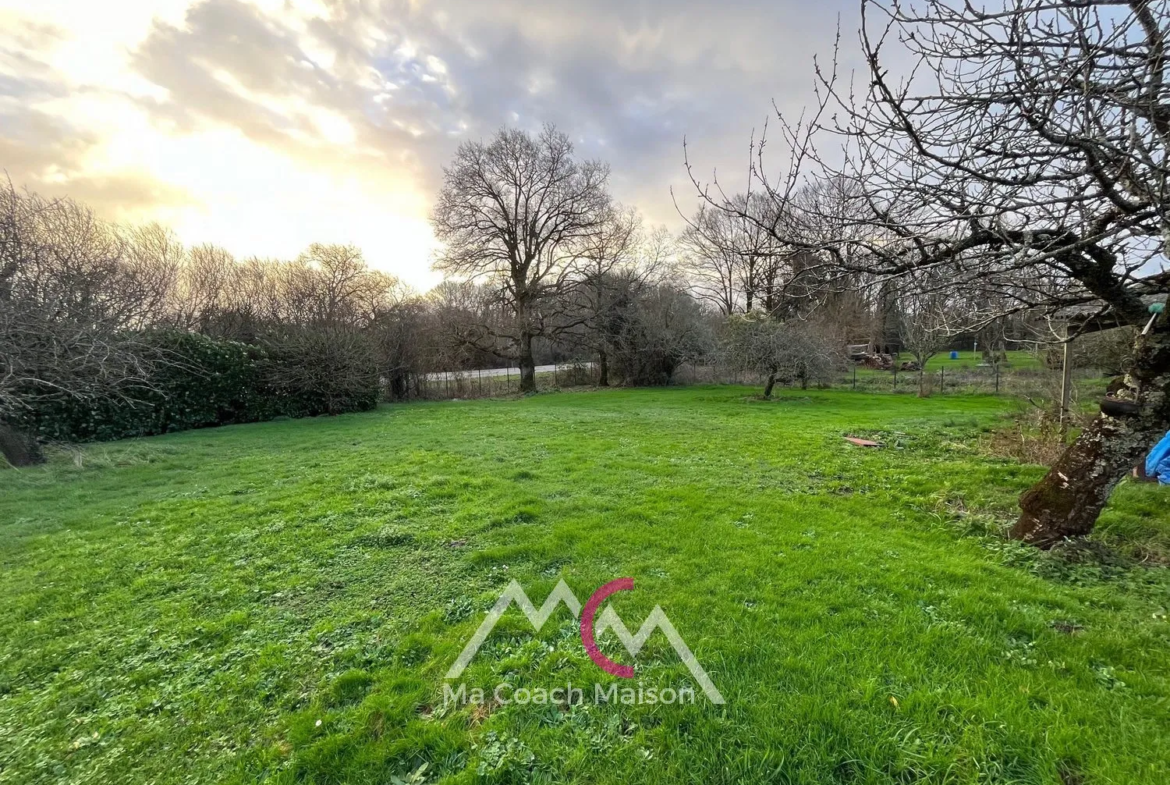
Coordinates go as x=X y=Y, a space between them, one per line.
x=1066 y=385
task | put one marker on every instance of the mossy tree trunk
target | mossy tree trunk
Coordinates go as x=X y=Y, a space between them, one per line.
x=1070 y=497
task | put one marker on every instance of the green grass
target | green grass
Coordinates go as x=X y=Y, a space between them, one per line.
x=279 y=602
x=1017 y=360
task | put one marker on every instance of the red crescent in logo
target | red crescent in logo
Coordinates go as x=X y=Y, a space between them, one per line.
x=599 y=596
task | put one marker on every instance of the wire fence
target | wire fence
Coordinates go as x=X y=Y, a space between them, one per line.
x=502 y=382
x=1034 y=383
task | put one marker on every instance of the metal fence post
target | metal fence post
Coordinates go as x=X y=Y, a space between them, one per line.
x=854 y=377
x=942 y=379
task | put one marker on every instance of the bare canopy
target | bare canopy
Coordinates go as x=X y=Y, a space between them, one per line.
x=515 y=212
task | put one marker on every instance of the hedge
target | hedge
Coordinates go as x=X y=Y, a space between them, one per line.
x=197 y=382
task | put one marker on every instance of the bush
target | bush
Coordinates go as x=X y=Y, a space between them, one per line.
x=196 y=382
x=791 y=352
x=321 y=371
x=656 y=333
x=574 y=375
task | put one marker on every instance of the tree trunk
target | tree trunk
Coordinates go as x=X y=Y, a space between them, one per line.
x=19 y=449
x=1067 y=502
x=603 y=369
x=527 y=364
x=524 y=360
x=768 y=385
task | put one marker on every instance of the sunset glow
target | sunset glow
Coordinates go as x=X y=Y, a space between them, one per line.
x=264 y=126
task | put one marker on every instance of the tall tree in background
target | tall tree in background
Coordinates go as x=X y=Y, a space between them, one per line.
x=614 y=269
x=733 y=259
x=515 y=212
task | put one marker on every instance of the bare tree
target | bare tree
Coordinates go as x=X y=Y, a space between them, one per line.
x=797 y=351
x=711 y=262
x=344 y=289
x=614 y=268
x=204 y=286
x=1024 y=156
x=151 y=262
x=732 y=256
x=515 y=212
x=63 y=313
x=660 y=327
x=400 y=344
x=927 y=313
x=467 y=325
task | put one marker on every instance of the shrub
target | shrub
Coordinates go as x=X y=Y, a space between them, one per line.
x=195 y=381
x=315 y=371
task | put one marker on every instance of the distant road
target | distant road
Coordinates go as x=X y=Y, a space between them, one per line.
x=443 y=376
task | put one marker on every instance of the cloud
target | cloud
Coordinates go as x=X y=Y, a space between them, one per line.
x=256 y=123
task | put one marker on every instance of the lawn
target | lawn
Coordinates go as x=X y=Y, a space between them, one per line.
x=280 y=602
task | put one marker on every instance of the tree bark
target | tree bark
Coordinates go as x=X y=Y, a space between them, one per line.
x=524 y=345
x=1070 y=497
x=603 y=368
x=768 y=385
x=527 y=364
x=19 y=449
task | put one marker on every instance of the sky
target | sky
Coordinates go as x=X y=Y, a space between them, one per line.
x=266 y=125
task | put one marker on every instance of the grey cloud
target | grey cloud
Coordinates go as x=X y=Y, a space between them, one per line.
x=631 y=79
x=628 y=78
x=264 y=56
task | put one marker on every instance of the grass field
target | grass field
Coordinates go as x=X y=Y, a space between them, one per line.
x=1015 y=360
x=279 y=602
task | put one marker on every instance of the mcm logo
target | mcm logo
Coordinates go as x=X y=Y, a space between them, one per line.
x=592 y=627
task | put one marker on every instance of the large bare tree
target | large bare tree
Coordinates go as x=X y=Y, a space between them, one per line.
x=732 y=261
x=1022 y=152
x=516 y=212
x=66 y=301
